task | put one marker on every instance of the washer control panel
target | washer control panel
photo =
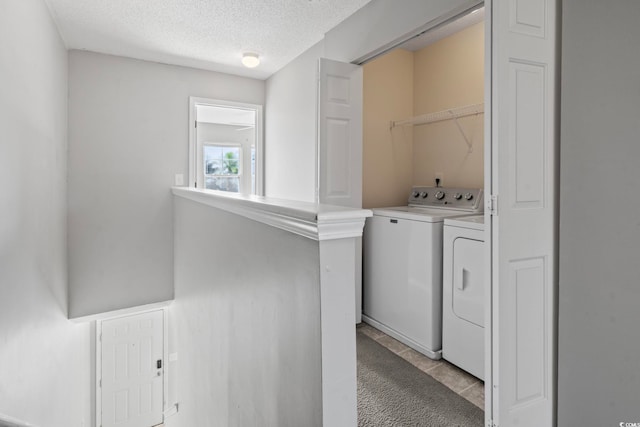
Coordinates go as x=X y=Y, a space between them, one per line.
x=467 y=199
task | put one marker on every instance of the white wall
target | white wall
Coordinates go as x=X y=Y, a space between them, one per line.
x=290 y=128
x=599 y=337
x=44 y=358
x=245 y=322
x=291 y=93
x=382 y=22
x=128 y=137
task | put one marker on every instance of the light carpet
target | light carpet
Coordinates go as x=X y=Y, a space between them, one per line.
x=392 y=392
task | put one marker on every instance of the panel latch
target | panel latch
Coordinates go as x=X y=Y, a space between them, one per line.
x=492 y=205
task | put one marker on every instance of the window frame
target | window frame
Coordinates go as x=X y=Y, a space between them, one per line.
x=258 y=140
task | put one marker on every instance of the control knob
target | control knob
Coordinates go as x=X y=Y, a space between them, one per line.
x=440 y=195
x=415 y=194
x=424 y=194
x=468 y=196
x=457 y=196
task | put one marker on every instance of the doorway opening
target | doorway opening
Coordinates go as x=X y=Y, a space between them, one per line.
x=225 y=146
x=424 y=126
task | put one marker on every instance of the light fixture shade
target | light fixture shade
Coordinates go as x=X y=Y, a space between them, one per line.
x=250 y=59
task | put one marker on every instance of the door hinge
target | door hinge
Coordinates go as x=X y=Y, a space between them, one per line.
x=492 y=205
x=490 y=423
x=100 y=383
x=196 y=124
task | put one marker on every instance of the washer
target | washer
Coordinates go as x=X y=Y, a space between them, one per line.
x=464 y=293
x=402 y=292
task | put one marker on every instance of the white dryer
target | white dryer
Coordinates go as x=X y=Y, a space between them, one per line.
x=402 y=286
x=463 y=293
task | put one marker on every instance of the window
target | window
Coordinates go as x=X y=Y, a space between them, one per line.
x=253 y=170
x=222 y=167
x=225 y=146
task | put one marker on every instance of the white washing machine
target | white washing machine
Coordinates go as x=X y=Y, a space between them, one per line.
x=402 y=275
x=463 y=298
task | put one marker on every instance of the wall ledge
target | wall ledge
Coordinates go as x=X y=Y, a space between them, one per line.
x=311 y=220
x=7 y=421
x=119 y=313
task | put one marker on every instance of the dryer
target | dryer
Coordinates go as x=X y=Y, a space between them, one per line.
x=463 y=294
x=402 y=275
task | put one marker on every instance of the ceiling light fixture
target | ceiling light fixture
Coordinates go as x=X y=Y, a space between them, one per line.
x=250 y=59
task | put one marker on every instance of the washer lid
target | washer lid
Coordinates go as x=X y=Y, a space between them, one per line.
x=417 y=213
x=475 y=222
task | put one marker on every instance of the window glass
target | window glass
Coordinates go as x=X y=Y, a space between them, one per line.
x=222 y=167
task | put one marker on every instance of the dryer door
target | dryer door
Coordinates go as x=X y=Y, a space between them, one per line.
x=468 y=280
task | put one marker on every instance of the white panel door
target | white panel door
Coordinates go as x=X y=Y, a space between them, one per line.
x=340 y=134
x=132 y=370
x=524 y=144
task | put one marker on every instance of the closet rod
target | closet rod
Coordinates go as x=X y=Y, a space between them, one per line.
x=453 y=113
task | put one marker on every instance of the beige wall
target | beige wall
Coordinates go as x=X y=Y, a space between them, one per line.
x=387 y=155
x=402 y=84
x=447 y=74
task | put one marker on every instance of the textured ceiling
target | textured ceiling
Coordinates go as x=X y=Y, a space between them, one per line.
x=208 y=34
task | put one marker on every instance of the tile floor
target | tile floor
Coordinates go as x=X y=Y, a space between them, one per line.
x=463 y=383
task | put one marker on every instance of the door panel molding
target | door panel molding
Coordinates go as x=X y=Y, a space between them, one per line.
x=527 y=131
x=339 y=133
x=523 y=179
x=528 y=18
x=124 y=354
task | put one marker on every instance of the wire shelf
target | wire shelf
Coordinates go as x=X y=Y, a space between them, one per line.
x=453 y=113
